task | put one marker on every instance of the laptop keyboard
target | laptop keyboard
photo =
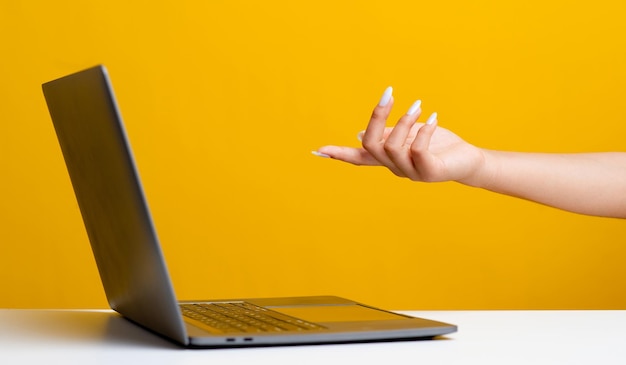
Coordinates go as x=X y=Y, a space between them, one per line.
x=244 y=317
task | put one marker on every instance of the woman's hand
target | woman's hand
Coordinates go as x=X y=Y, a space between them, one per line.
x=418 y=151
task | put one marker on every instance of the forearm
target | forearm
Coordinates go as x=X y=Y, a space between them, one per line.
x=590 y=183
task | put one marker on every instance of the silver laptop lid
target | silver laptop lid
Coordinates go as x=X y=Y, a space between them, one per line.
x=111 y=200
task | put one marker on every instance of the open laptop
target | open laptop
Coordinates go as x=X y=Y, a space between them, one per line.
x=129 y=258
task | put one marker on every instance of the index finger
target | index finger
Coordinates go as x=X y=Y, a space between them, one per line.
x=374 y=137
x=376 y=126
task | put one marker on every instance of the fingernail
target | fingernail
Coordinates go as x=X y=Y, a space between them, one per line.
x=432 y=119
x=359 y=136
x=386 y=96
x=415 y=107
x=319 y=154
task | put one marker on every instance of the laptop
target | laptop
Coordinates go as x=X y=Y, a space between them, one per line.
x=130 y=260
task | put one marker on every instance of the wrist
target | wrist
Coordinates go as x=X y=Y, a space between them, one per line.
x=485 y=171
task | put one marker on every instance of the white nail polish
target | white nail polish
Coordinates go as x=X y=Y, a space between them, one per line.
x=432 y=119
x=360 y=135
x=384 y=100
x=319 y=154
x=414 y=107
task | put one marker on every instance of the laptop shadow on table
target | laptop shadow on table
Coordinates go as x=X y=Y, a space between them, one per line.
x=88 y=327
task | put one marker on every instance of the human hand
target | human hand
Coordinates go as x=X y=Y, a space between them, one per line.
x=418 y=151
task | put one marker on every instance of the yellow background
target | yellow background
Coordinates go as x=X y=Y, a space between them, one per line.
x=224 y=100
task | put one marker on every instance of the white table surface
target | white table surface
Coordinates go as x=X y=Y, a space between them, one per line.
x=484 y=337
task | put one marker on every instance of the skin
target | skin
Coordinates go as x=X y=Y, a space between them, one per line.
x=585 y=183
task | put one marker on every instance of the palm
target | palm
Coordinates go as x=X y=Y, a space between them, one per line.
x=453 y=158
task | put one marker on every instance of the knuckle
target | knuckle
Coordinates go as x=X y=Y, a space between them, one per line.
x=395 y=149
x=398 y=173
x=390 y=149
x=370 y=145
x=417 y=150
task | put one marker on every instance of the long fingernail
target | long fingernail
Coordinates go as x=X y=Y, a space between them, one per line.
x=359 y=136
x=319 y=154
x=415 y=107
x=432 y=119
x=384 y=100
